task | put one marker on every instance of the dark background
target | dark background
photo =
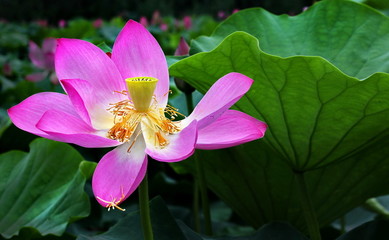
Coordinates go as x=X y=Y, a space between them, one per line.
x=53 y=10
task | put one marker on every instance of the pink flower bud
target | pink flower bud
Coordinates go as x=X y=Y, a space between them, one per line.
x=143 y=20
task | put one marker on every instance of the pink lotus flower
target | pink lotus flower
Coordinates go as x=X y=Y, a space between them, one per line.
x=42 y=22
x=7 y=69
x=143 y=20
x=182 y=48
x=122 y=101
x=156 y=18
x=43 y=58
x=187 y=22
x=61 y=23
x=98 y=23
x=164 y=27
x=221 y=14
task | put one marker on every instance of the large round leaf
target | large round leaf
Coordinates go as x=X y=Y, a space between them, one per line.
x=5 y=122
x=352 y=36
x=377 y=230
x=315 y=113
x=163 y=224
x=165 y=227
x=260 y=187
x=42 y=189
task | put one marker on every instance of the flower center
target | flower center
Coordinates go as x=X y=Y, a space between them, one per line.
x=142 y=108
x=141 y=91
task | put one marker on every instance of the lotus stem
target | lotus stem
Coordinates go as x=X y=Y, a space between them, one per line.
x=145 y=209
x=307 y=206
x=196 y=207
x=200 y=183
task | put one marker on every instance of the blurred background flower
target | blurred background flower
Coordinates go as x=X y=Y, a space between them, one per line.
x=43 y=58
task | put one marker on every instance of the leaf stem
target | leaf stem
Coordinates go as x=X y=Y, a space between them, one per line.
x=204 y=196
x=374 y=206
x=200 y=181
x=189 y=102
x=307 y=206
x=196 y=207
x=145 y=209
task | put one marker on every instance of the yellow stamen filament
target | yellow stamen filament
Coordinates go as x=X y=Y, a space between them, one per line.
x=127 y=118
x=161 y=140
x=113 y=204
x=172 y=112
x=168 y=92
x=133 y=142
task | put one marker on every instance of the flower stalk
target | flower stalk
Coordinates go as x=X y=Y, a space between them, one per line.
x=145 y=210
x=200 y=181
x=204 y=196
x=196 y=207
x=307 y=206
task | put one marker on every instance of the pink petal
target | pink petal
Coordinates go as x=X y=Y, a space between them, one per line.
x=36 y=77
x=119 y=173
x=221 y=96
x=91 y=103
x=143 y=20
x=49 y=61
x=48 y=47
x=137 y=54
x=180 y=147
x=187 y=22
x=36 y=55
x=182 y=49
x=26 y=114
x=230 y=129
x=71 y=129
x=78 y=59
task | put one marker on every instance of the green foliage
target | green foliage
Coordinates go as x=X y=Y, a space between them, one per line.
x=377 y=230
x=379 y=4
x=5 y=122
x=274 y=231
x=324 y=123
x=103 y=46
x=165 y=227
x=257 y=183
x=79 y=28
x=349 y=35
x=12 y=36
x=315 y=113
x=42 y=189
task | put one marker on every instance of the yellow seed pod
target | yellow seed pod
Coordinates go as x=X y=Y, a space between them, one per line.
x=141 y=90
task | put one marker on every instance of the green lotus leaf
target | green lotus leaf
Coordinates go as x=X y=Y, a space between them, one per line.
x=163 y=224
x=5 y=122
x=315 y=113
x=42 y=189
x=379 y=4
x=165 y=227
x=352 y=36
x=274 y=231
x=377 y=229
x=260 y=187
